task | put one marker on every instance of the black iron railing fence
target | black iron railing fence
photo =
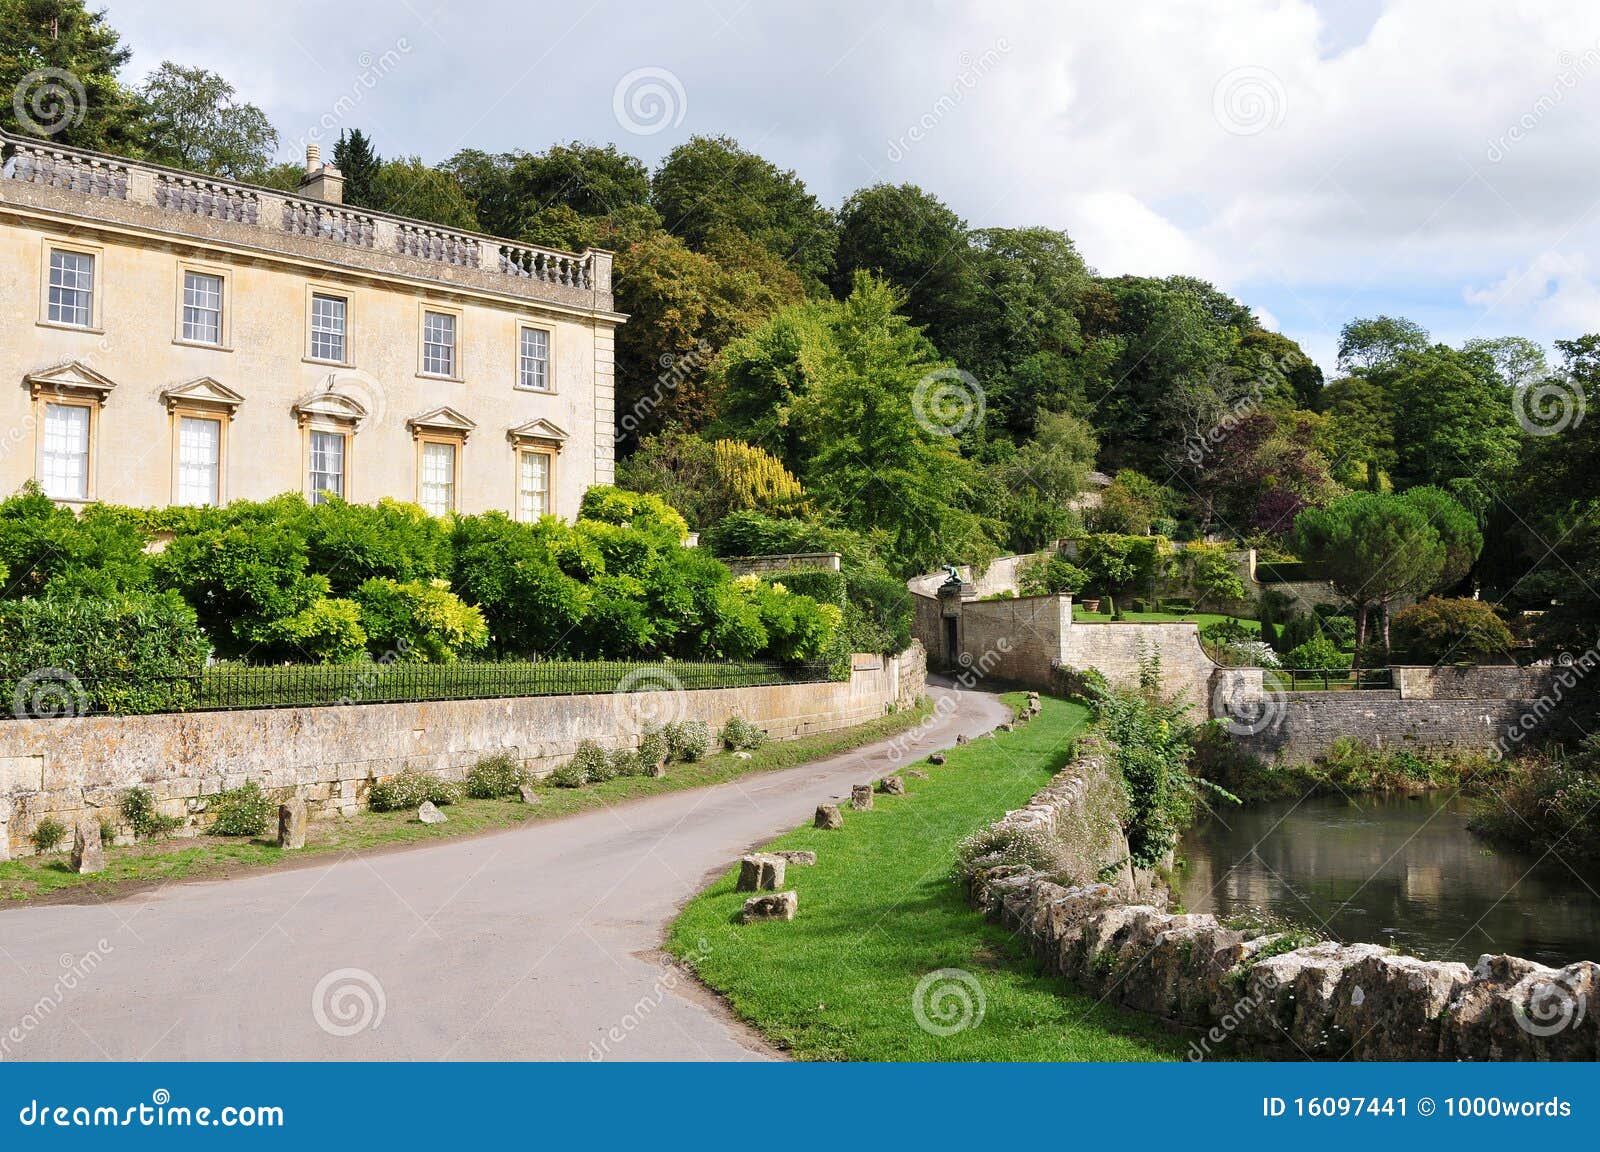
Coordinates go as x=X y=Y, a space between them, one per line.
x=57 y=692
x=1318 y=680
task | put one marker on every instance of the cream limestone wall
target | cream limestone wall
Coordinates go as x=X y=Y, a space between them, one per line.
x=141 y=254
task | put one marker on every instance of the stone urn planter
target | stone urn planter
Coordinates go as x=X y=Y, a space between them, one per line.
x=1090 y=605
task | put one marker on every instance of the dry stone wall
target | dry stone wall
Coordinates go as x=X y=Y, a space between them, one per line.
x=1246 y=992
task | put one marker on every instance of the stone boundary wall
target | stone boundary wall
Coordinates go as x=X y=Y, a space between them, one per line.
x=781 y=562
x=1302 y=726
x=1253 y=994
x=1474 y=682
x=78 y=767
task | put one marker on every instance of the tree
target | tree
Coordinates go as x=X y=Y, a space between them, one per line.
x=408 y=187
x=1038 y=483
x=359 y=163
x=1368 y=344
x=911 y=239
x=1515 y=360
x=1373 y=547
x=58 y=67
x=1436 y=630
x=711 y=185
x=515 y=192
x=194 y=121
x=1455 y=427
x=1457 y=530
x=1360 y=431
x=683 y=308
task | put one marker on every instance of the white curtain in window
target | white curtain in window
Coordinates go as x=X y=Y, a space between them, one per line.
x=65 y=466
x=199 y=459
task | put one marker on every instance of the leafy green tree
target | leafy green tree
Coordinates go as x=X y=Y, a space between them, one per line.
x=1458 y=631
x=1457 y=530
x=1376 y=342
x=1035 y=485
x=710 y=185
x=194 y=121
x=1455 y=427
x=1374 y=547
x=514 y=193
x=50 y=52
x=1515 y=360
x=1360 y=431
x=408 y=187
x=45 y=550
x=359 y=163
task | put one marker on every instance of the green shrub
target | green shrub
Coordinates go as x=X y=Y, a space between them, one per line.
x=410 y=789
x=496 y=776
x=353 y=543
x=688 y=740
x=589 y=764
x=823 y=585
x=654 y=747
x=48 y=834
x=47 y=550
x=626 y=762
x=128 y=653
x=738 y=735
x=1225 y=632
x=642 y=510
x=1438 y=630
x=568 y=775
x=1051 y=576
x=244 y=811
x=325 y=631
x=419 y=621
x=1317 y=654
x=140 y=812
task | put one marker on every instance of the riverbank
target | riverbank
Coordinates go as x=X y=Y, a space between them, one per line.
x=885 y=959
x=1349 y=768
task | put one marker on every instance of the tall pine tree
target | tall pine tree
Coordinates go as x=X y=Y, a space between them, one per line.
x=355 y=157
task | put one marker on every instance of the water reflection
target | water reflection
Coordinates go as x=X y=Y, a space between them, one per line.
x=1403 y=871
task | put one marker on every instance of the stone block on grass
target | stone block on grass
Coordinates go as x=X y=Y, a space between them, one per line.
x=761 y=872
x=829 y=816
x=892 y=786
x=430 y=814
x=88 y=853
x=292 y=824
x=772 y=906
x=795 y=856
x=861 y=797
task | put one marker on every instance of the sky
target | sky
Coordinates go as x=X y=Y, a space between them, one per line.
x=1428 y=158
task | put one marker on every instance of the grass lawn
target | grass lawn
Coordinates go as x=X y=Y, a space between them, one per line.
x=882 y=909
x=165 y=859
x=1079 y=616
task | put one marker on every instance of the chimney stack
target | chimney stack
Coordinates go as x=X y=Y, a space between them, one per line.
x=321 y=181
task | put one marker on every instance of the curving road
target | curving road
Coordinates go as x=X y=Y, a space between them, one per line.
x=537 y=943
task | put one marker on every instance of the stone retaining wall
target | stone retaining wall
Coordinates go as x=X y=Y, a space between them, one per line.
x=70 y=768
x=1250 y=993
x=1301 y=726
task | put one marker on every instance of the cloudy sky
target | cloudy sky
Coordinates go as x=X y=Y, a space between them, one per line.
x=1431 y=158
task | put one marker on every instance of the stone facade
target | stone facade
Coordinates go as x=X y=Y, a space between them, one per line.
x=1254 y=994
x=162 y=406
x=1303 y=726
x=70 y=768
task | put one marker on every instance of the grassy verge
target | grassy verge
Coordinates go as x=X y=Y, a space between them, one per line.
x=164 y=860
x=882 y=909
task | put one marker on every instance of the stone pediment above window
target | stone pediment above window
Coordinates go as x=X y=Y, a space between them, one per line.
x=204 y=393
x=71 y=379
x=540 y=433
x=331 y=407
x=441 y=421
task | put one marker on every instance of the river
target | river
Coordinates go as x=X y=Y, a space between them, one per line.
x=1397 y=870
